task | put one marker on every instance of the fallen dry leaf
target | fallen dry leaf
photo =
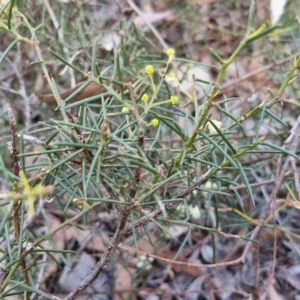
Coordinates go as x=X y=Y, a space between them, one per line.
x=272 y=292
x=154 y=17
x=91 y=90
x=123 y=281
x=187 y=269
x=61 y=237
x=71 y=278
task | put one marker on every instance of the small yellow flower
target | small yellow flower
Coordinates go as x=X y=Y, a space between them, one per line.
x=174 y=100
x=125 y=110
x=171 y=52
x=211 y=128
x=145 y=98
x=31 y=194
x=149 y=69
x=154 y=122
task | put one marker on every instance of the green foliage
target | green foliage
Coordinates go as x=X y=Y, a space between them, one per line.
x=137 y=147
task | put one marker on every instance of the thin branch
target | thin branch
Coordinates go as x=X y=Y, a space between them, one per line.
x=101 y=265
x=180 y=263
x=60 y=34
x=26 y=99
x=16 y=235
x=151 y=27
x=48 y=296
x=157 y=212
x=257 y=71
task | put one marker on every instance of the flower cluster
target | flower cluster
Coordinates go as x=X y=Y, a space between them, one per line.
x=145 y=98
x=154 y=122
x=174 y=100
x=171 y=54
x=171 y=79
x=149 y=69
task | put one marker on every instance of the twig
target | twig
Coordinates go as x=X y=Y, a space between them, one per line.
x=16 y=170
x=58 y=27
x=3 y=88
x=257 y=71
x=157 y=212
x=26 y=224
x=101 y=265
x=137 y=171
x=48 y=296
x=28 y=139
x=180 y=263
x=151 y=27
x=22 y=92
x=24 y=95
x=13 y=150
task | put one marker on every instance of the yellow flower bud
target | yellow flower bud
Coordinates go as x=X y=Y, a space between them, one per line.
x=171 y=52
x=149 y=69
x=174 y=100
x=145 y=98
x=154 y=122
